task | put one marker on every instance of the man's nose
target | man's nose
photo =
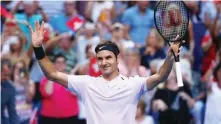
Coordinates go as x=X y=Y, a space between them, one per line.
x=104 y=62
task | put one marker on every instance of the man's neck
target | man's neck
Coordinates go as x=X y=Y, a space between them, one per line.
x=112 y=76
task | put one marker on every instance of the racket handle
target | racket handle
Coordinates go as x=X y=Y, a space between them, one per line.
x=179 y=74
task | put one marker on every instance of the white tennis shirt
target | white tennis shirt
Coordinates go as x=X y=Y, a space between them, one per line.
x=109 y=102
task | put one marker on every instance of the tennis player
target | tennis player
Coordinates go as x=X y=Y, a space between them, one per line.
x=111 y=98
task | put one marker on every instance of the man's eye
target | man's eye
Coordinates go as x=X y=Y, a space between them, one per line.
x=109 y=57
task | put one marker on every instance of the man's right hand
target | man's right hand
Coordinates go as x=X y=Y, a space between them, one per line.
x=37 y=34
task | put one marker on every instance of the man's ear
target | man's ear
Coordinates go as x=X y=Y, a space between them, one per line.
x=118 y=58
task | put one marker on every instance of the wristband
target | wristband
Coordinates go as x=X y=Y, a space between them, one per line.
x=39 y=52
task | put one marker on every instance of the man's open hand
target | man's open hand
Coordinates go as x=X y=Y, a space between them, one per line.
x=37 y=34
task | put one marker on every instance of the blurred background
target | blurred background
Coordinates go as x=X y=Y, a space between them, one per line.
x=74 y=28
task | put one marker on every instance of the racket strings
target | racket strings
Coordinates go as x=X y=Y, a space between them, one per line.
x=170 y=32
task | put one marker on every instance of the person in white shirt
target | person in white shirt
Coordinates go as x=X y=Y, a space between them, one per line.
x=111 y=98
x=213 y=101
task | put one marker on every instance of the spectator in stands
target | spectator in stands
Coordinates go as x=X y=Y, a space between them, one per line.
x=15 y=40
x=141 y=118
x=101 y=13
x=99 y=10
x=10 y=29
x=59 y=22
x=64 y=46
x=24 y=89
x=90 y=66
x=212 y=111
x=16 y=49
x=87 y=37
x=199 y=31
x=139 y=21
x=133 y=64
x=8 y=111
x=214 y=26
x=209 y=49
x=120 y=7
x=93 y=69
x=173 y=104
x=50 y=10
x=211 y=42
x=29 y=16
x=153 y=49
x=209 y=8
x=59 y=106
x=117 y=31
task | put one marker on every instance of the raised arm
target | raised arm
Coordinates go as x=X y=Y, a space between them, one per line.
x=165 y=69
x=46 y=65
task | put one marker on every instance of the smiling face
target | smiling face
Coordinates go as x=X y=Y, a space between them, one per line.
x=60 y=64
x=107 y=62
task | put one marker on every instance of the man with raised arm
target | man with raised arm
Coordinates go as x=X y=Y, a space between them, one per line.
x=111 y=98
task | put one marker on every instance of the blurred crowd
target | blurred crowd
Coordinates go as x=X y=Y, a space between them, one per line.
x=74 y=28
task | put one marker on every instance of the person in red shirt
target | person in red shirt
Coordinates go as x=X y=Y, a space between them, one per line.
x=209 y=48
x=59 y=106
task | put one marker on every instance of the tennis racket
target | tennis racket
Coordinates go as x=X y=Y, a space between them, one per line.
x=171 y=19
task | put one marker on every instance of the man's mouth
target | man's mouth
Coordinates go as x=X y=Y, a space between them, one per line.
x=105 y=67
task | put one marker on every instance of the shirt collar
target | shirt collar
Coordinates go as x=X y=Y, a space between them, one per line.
x=114 y=81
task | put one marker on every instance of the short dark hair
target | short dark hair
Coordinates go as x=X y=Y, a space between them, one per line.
x=58 y=56
x=111 y=46
x=4 y=62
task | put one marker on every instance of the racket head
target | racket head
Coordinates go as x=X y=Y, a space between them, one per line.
x=171 y=18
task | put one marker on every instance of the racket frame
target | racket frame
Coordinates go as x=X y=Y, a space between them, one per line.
x=176 y=58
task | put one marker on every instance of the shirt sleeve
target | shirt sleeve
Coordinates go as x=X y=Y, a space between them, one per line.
x=141 y=86
x=78 y=83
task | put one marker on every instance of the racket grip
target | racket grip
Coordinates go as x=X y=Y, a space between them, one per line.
x=179 y=74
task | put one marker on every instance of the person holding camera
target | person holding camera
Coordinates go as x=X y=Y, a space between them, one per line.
x=24 y=89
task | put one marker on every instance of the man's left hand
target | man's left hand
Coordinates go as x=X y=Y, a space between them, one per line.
x=175 y=47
